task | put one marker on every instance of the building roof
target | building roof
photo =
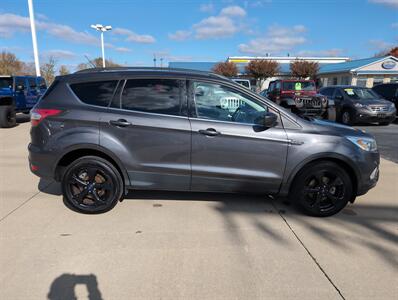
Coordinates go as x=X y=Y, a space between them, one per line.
x=350 y=66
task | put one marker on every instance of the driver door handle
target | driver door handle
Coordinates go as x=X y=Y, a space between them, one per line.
x=209 y=132
x=120 y=123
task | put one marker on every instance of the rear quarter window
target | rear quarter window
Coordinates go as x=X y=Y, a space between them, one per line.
x=97 y=93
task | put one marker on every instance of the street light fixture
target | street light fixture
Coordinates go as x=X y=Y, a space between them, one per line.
x=102 y=29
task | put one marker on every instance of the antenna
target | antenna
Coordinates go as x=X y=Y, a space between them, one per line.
x=90 y=62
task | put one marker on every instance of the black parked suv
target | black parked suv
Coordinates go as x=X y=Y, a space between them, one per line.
x=359 y=105
x=388 y=91
x=103 y=132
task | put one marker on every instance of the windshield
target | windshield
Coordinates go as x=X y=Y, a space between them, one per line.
x=360 y=93
x=298 y=86
x=5 y=83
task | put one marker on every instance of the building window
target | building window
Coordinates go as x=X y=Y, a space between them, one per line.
x=394 y=79
x=378 y=80
x=334 y=80
x=361 y=81
x=345 y=80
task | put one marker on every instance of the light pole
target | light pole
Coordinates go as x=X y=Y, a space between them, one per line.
x=102 y=29
x=34 y=40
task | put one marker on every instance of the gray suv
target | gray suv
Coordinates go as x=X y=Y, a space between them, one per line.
x=103 y=132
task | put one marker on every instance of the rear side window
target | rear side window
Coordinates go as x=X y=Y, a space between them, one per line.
x=97 y=93
x=32 y=83
x=19 y=81
x=327 y=92
x=42 y=83
x=160 y=96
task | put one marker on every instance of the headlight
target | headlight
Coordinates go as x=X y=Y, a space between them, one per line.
x=359 y=105
x=367 y=144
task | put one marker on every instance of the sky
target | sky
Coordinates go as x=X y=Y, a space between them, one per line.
x=189 y=30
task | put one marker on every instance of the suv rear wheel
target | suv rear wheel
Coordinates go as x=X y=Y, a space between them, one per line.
x=7 y=116
x=322 y=189
x=92 y=185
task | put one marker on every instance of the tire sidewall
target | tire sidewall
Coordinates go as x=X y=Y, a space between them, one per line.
x=111 y=172
x=296 y=194
x=7 y=116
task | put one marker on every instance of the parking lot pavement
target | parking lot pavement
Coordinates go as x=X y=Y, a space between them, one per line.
x=387 y=139
x=188 y=245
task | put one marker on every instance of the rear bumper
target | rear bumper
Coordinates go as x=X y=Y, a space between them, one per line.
x=40 y=162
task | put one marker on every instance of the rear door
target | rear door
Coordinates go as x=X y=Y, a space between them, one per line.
x=230 y=153
x=147 y=127
x=32 y=93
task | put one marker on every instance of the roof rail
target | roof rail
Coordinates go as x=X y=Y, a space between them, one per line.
x=178 y=70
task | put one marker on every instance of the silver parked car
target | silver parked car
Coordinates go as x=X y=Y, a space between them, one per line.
x=103 y=132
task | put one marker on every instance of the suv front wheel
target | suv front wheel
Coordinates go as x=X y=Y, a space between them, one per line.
x=322 y=189
x=92 y=185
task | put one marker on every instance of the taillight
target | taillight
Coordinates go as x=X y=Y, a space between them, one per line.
x=38 y=115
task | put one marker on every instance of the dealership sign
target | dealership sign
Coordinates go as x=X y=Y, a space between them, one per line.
x=388 y=64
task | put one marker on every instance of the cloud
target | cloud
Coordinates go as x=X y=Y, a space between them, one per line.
x=207 y=8
x=276 y=40
x=215 y=27
x=122 y=49
x=180 y=35
x=59 y=54
x=131 y=36
x=380 y=45
x=11 y=23
x=391 y=3
x=233 y=11
x=225 y=24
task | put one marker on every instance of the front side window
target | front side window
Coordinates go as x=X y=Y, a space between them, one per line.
x=160 y=96
x=216 y=102
x=97 y=93
x=20 y=82
x=42 y=83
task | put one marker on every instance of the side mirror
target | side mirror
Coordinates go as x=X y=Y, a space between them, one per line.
x=267 y=120
x=338 y=97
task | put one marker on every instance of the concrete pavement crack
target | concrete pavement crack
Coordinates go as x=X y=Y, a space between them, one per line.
x=309 y=252
x=23 y=203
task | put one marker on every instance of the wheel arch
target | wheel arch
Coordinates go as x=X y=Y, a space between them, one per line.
x=70 y=155
x=340 y=160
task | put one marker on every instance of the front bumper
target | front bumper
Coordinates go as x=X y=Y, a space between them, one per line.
x=368 y=168
x=366 y=116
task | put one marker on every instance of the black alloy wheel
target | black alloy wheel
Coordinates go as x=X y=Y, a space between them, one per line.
x=322 y=189
x=92 y=185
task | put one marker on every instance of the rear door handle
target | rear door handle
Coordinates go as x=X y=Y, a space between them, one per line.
x=120 y=123
x=209 y=132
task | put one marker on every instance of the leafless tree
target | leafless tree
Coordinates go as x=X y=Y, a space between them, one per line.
x=63 y=70
x=48 y=68
x=262 y=69
x=304 y=69
x=228 y=69
x=97 y=63
x=9 y=64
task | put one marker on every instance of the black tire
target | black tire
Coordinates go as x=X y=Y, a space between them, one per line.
x=92 y=185
x=347 y=117
x=384 y=123
x=321 y=189
x=7 y=116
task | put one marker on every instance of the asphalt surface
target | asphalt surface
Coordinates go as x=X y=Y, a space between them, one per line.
x=386 y=138
x=158 y=245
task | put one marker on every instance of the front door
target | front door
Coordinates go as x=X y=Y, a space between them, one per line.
x=148 y=129
x=230 y=152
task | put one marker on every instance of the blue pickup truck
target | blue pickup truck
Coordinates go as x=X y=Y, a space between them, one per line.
x=18 y=94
